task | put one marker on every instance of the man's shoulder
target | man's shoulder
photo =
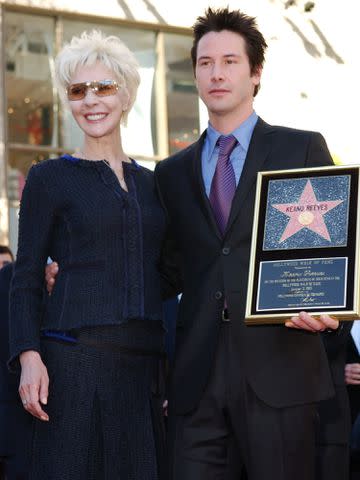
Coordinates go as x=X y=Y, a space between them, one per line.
x=181 y=155
x=177 y=160
x=294 y=132
x=285 y=131
x=5 y=276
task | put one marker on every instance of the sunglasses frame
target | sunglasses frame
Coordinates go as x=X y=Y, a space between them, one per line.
x=94 y=85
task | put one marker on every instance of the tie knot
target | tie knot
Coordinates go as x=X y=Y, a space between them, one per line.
x=227 y=143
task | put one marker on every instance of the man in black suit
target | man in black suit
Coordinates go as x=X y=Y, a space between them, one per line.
x=332 y=457
x=15 y=423
x=6 y=256
x=238 y=394
x=352 y=379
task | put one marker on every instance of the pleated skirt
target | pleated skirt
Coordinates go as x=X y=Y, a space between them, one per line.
x=105 y=409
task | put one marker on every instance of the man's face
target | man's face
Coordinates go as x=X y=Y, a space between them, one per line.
x=223 y=76
x=5 y=258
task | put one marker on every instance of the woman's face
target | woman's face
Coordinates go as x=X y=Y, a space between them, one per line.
x=98 y=116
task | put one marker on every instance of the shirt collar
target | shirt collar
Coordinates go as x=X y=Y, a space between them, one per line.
x=242 y=133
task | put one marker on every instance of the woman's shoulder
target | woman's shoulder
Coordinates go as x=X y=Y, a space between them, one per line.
x=50 y=174
x=142 y=173
x=50 y=167
x=146 y=171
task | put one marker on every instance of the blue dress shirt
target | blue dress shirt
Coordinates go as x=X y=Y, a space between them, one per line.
x=210 y=150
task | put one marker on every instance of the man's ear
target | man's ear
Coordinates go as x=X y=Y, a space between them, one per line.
x=257 y=75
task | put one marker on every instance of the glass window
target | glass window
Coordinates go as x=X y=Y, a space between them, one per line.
x=142 y=44
x=182 y=99
x=29 y=55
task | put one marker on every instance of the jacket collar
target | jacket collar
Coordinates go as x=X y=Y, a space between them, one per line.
x=258 y=151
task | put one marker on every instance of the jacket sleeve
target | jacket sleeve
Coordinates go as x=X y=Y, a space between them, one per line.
x=337 y=341
x=27 y=289
x=170 y=262
x=318 y=154
x=170 y=270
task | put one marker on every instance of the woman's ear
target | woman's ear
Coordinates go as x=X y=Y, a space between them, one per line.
x=126 y=100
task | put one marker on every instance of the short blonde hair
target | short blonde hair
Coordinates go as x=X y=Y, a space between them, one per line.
x=92 y=47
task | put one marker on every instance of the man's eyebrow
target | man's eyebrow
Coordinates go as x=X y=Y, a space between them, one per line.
x=204 y=57
x=227 y=55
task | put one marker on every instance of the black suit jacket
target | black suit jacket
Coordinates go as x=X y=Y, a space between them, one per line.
x=334 y=413
x=284 y=367
x=353 y=390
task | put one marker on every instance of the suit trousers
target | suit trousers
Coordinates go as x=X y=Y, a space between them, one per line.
x=231 y=427
x=333 y=455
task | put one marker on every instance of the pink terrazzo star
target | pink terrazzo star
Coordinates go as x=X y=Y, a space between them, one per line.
x=307 y=213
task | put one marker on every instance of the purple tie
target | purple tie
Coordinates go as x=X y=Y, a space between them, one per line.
x=223 y=184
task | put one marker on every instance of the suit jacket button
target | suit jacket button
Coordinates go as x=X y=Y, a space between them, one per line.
x=226 y=250
x=218 y=295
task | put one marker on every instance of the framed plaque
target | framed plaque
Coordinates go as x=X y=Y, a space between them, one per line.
x=305 y=245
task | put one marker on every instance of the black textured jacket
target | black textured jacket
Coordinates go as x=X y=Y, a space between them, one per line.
x=107 y=242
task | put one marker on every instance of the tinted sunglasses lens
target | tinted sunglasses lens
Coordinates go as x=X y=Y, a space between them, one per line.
x=77 y=91
x=106 y=88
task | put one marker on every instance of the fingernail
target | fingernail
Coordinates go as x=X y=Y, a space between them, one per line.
x=44 y=418
x=44 y=401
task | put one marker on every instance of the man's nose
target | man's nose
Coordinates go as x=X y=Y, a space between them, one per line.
x=217 y=71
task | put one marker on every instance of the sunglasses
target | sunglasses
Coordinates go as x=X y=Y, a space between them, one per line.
x=101 y=88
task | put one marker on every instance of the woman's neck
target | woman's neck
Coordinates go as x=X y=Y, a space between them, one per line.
x=102 y=149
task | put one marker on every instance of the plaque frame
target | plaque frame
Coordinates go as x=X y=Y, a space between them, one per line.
x=259 y=257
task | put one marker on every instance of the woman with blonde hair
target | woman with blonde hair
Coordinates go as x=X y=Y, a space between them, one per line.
x=91 y=355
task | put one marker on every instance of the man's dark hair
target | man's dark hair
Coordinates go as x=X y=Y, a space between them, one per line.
x=233 y=21
x=5 y=249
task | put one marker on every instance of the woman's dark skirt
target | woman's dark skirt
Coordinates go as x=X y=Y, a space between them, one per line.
x=105 y=409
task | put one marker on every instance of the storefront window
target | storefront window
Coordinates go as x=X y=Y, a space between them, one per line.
x=29 y=55
x=30 y=102
x=182 y=100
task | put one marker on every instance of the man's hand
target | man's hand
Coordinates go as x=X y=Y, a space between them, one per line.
x=352 y=374
x=165 y=408
x=34 y=384
x=51 y=271
x=304 y=321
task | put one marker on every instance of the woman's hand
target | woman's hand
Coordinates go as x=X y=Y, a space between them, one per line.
x=34 y=384
x=51 y=271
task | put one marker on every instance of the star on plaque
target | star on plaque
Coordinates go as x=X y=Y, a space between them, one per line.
x=308 y=212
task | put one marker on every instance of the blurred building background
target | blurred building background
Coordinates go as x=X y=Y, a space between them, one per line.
x=310 y=79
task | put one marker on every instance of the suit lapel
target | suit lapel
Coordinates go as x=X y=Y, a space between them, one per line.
x=199 y=188
x=258 y=151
